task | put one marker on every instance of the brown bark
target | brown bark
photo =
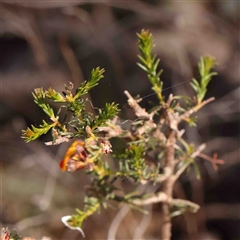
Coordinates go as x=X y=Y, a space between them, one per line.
x=168 y=187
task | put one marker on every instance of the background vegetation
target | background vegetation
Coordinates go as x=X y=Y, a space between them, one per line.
x=48 y=44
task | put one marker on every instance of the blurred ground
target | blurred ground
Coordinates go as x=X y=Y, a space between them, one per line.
x=46 y=44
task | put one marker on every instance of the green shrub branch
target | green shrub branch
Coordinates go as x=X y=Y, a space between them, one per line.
x=155 y=151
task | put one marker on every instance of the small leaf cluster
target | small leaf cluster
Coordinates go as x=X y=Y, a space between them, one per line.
x=95 y=76
x=149 y=62
x=205 y=66
x=108 y=112
x=132 y=163
x=91 y=205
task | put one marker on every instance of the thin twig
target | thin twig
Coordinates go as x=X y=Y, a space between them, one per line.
x=143 y=225
x=116 y=222
x=163 y=198
x=156 y=198
x=139 y=111
x=193 y=155
x=213 y=160
x=195 y=109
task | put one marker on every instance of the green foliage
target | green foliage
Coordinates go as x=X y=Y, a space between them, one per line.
x=109 y=112
x=55 y=96
x=34 y=133
x=156 y=150
x=15 y=235
x=95 y=77
x=149 y=62
x=72 y=104
x=40 y=100
x=91 y=205
x=133 y=163
x=205 y=66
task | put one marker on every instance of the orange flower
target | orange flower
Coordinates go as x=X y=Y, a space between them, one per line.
x=75 y=157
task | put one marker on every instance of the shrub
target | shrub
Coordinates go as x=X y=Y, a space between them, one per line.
x=154 y=131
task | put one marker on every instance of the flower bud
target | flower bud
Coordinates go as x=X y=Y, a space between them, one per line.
x=69 y=86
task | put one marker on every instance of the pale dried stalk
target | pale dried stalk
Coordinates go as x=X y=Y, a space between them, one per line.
x=195 y=109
